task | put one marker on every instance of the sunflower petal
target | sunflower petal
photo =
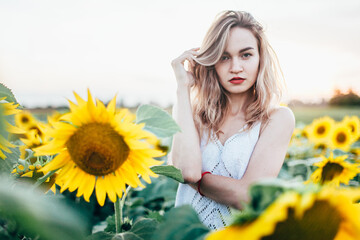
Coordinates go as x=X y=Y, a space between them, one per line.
x=88 y=187
x=111 y=107
x=58 y=162
x=100 y=190
x=109 y=188
x=13 y=129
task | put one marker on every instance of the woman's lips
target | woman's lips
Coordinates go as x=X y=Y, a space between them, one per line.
x=237 y=80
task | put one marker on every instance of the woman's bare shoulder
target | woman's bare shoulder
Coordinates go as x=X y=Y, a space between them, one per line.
x=282 y=114
x=281 y=117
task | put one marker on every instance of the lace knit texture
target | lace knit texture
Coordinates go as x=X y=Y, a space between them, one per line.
x=229 y=160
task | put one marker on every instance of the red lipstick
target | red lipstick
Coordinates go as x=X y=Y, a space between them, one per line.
x=237 y=80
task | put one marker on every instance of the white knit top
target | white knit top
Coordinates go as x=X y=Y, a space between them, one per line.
x=229 y=160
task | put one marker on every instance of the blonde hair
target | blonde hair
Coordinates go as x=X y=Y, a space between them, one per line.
x=210 y=100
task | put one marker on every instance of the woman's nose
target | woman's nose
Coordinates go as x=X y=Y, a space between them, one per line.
x=236 y=66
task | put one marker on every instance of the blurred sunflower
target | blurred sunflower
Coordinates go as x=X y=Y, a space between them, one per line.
x=35 y=131
x=8 y=109
x=24 y=120
x=31 y=139
x=320 y=129
x=99 y=147
x=334 y=171
x=328 y=214
x=356 y=152
x=305 y=131
x=353 y=123
x=341 y=138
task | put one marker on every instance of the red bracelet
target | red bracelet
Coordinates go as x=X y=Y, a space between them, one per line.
x=199 y=182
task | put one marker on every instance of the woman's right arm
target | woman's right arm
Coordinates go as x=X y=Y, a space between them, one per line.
x=185 y=153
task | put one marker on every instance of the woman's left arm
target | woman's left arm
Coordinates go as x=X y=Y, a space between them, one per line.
x=265 y=162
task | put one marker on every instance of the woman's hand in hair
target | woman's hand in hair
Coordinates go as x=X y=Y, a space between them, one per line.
x=183 y=75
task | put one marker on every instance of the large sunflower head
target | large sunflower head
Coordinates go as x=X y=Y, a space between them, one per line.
x=353 y=123
x=341 y=138
x=320 y=128
x=8 y=109
x=328 y=214
x=334 y=171
x=99 y=147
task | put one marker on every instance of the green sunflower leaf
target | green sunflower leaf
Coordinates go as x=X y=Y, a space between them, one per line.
x=338 y=153
x=37 y=216
x=113 y=236
x=144 y=228
x=156 y=121
x=169 y=171
x=181 y=223
x=155 y=215
x=266 y=191
x=6 y=165
x=101 y=236
x=6 y=92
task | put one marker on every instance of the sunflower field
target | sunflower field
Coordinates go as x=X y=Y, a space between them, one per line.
x=99 y=172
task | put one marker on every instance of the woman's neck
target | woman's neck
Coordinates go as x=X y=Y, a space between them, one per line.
x=239 y=103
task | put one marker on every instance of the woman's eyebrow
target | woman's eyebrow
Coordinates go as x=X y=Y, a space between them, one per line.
x=245 y=49
x=242 y=50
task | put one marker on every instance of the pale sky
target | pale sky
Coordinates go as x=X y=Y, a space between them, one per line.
x=50 y=48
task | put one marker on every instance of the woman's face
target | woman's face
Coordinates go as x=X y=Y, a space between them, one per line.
x=238 y=66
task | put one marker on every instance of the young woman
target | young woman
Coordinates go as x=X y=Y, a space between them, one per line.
x=233 y=130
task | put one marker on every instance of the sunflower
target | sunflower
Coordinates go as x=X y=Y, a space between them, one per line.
x=334 y=171
x=305 y=131
x=341 y=138
x=24 y=120
x=356 y=152
x=328 y=214
x=99 y=147
x=34 y=132
x=320 y=129
x=353 y=123
x=8 y=109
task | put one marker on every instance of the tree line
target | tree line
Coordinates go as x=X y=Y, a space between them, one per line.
x=344 y=99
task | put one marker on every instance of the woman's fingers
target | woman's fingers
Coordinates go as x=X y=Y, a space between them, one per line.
x=182 y=58
x=189 y=55
x=181 y=69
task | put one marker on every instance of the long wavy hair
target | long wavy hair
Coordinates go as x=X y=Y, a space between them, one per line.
x=210 y=101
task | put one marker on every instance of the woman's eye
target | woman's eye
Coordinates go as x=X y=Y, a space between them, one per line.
x=224 y=58
x=246 y=55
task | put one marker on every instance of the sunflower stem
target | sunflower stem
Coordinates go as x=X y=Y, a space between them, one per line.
x=119 y=205
x=118 y=217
